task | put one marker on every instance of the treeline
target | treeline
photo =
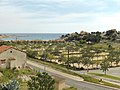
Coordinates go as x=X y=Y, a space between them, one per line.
x=23 y=42
x=93 y=37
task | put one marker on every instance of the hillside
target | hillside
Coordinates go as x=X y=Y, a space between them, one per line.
x=93 y=37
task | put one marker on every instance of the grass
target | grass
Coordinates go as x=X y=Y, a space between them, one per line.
x=85 y=77
x=110 y=84
x=106 y=76
x=7 y=74
x=26 y=72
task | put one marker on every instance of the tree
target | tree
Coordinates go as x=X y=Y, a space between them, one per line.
x=44 y=56
x=79 y=60
x=69 y=48
x=50 y=56
x=32 y=54
x=86 y=61
x=41 y=82
x=73 y=60
x=97 y=51
x=61 y=57
x=86 y=57
x=112 y=56
x=117 y=59
x=104 y=66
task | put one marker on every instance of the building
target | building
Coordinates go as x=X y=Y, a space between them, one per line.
x=11 y=57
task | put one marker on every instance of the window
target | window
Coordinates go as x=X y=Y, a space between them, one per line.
x=3 y=61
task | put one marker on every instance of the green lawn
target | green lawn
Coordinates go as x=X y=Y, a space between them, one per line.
x=106 y=76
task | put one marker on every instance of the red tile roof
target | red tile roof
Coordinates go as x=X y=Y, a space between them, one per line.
x=4 y=48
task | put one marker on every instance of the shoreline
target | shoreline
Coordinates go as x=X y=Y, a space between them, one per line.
x=31 y=37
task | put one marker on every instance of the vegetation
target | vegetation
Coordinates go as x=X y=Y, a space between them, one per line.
x=71 y=55
x=104 y=66
x=12 y=85
x=94 y=37
x=77 y=51
x=7 y=75
x=10 y=78
x=41 y=82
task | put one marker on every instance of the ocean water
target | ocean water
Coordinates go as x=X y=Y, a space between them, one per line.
x=32 y=36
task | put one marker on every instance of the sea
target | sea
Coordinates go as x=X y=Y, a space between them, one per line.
x=32 y=36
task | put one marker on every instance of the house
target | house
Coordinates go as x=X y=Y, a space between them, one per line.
x=11 y=57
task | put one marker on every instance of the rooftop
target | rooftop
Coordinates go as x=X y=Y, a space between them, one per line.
x=4 y=48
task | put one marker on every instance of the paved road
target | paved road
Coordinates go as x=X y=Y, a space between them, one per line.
x=79 y=84
x=117 y=82
x=112 y=71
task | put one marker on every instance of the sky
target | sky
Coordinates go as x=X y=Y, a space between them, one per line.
x=58 y=16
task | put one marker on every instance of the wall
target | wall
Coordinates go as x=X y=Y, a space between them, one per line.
x=13 y=53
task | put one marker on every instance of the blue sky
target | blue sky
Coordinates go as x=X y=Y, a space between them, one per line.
x=58 y=16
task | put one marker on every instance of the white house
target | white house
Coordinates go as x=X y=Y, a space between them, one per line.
x=11 y=57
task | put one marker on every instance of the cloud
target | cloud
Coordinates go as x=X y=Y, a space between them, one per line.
x=58 y=15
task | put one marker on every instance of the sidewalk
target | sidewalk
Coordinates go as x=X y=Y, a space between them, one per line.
x=49 y=69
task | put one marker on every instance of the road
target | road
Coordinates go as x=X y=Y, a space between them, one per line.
x=113 y=81
x=69 y=80
x=112 y=71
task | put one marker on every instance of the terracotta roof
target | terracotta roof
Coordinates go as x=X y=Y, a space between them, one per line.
x=4 y=48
